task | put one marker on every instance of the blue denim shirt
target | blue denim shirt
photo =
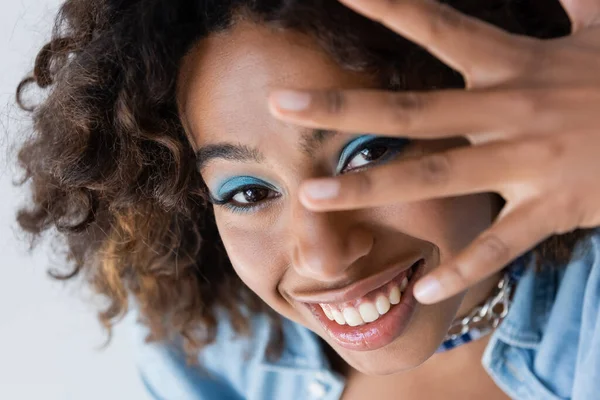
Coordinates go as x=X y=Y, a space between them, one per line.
x=548 y=347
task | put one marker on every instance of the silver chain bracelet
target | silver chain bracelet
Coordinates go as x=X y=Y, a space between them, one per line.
x=493 y=311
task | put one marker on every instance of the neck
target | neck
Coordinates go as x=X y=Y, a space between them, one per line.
x=478 y=294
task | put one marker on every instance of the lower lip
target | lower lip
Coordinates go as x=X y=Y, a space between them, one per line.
x=376 y=334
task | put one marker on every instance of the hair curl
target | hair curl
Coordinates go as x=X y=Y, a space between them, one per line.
x=110 y=167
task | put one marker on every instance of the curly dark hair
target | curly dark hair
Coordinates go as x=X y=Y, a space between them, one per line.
x=111 y=169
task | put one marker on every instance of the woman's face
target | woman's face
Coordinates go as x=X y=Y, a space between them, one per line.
x=310 y=267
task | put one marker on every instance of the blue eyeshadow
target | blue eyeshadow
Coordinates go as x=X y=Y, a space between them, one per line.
x=354 y=145
x=357 y=144
x=232 y=185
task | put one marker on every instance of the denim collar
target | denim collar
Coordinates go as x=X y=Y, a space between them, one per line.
x=302 y=350
x=303 y=358
x=531 y=306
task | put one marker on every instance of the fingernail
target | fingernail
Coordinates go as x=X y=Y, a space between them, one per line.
x=292 y=101
x=427 y=290
x=322 y=190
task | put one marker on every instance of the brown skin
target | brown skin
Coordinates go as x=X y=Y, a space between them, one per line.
x=282 y=248
x=122 y=187
x=448 y=371
x=531 y=110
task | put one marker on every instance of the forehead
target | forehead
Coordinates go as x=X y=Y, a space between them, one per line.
x=225 y=81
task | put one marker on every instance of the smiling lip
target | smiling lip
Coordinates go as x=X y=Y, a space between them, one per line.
x=357 y=289
x=377 y=334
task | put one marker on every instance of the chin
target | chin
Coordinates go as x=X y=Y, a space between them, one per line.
x=387 y=362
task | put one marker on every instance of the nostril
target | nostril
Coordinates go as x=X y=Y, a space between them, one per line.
x=360 y=243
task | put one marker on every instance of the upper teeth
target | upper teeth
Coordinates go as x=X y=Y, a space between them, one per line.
x=367 y=311
x=404 y=284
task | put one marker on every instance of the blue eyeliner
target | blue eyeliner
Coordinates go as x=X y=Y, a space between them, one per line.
x=363 y=142
x=233 y=185
x=351 y=148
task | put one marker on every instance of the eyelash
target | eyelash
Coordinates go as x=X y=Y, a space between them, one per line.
x=228 y=202
x=393 y=145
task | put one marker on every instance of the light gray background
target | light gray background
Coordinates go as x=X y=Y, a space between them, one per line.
x=49 y=336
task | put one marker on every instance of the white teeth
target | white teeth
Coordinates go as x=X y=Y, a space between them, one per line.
x=394 y=295
x=404 y=284
x=382 y=304
x=352 y=316
x=327 y=312
x=368 y=312
x=338 y=317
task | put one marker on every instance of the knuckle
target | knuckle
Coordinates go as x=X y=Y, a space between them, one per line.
x=494 y=249
x=409 y=101
x=551 y=152
x=459 y=277
x=335 y=101
x=389 y=7
x=435 y=169
x=445 y=18
x=554 y=150
x=403 y=109
x=527 y=55
x=571 y=213
x=542 y=153
x=528 y=103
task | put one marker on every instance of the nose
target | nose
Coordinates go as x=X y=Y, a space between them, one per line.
x=326 y=245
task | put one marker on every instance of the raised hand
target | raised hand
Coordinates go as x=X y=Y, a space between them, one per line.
x=531 y=110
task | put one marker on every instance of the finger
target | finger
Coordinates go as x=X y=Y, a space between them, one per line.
x=409 y=114
x=475 y=169
x=480 y=51
x=482 y=115
x=511 y=235
x=583 y=13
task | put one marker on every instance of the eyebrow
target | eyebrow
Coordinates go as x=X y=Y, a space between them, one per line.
x=242 y=153
x=227 y=151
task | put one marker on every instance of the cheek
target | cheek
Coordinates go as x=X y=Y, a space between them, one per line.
x=463 y=219
x=450 y=224
x=256 y=256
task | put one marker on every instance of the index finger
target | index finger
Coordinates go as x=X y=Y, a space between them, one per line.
x=480 y=51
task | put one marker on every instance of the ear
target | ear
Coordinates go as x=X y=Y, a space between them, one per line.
x=583 y=13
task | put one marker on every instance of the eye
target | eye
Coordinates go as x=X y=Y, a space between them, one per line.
x=366 y=156
x=367 y=150
x=250 y=195
x=244 y=193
